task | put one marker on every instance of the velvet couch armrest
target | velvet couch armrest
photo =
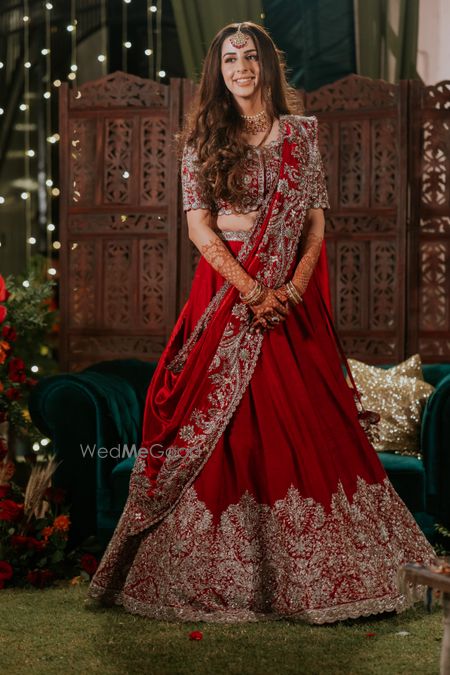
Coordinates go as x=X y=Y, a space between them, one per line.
x=435 y=444
x=82 y=412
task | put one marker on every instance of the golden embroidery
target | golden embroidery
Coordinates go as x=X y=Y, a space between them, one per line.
x=224 y=262
x=153 y=497
x=295 y=560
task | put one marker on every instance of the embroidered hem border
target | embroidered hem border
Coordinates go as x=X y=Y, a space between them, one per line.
x=354 y=610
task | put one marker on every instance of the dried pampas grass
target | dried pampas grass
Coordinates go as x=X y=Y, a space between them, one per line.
x=39 y=481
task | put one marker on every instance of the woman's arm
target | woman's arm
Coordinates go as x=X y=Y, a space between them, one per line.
x=201 y=233
x=310 y=251
x=200 y=224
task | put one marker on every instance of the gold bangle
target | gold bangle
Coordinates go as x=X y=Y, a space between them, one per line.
x=255 y=295
x=293 y=293
x=251 y=293
x=260 y=297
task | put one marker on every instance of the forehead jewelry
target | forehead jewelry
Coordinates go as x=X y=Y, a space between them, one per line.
x=239 y=39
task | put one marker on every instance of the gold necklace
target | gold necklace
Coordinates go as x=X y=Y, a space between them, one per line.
x=254 y=124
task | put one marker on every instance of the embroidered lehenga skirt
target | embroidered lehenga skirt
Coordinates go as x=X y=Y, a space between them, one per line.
x=292 y=516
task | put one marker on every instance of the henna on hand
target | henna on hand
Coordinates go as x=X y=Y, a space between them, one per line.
x=270 y=312
x=223 y=261
x=308 y=261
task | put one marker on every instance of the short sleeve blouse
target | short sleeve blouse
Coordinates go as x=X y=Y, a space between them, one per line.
x=262 y=171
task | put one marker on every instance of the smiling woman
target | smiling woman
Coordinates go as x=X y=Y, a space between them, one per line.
x=275 y=504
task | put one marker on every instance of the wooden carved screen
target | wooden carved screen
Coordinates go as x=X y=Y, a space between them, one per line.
x=363 y=138
x=127 y=262
x=119 y=219
x=429 y=254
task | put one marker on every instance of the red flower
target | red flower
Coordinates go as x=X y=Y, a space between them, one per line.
x=9 y=333
x=55 y=495
x=196 y=635
x=16 y=370
x=6 y=572
x=19 y=540
x=3 y=290
x=36 y=544
x=4 y=489
x=89 y=563
x=40 y=578
x=3 y=296
x=13 y=393
x=10 y=510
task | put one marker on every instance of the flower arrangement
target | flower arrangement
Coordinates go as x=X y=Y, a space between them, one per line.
x=34 y=520
x=34 y=530
x=26 y=318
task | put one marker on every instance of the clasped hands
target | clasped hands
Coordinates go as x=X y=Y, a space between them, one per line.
x=273 y=309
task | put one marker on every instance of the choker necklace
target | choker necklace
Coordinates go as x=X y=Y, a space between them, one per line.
x=254 y=124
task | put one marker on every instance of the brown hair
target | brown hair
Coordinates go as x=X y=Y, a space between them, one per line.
x=214 y=126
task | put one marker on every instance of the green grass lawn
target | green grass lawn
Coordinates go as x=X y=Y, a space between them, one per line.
x=50 y=632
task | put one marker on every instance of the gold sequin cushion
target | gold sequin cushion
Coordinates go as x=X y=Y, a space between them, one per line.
x=399 y=395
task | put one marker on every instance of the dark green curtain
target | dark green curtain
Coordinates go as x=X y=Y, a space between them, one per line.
x=198 y=21
x=386 y=38
x=317 y=37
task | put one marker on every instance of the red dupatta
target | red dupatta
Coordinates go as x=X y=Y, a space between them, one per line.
x=196 y=389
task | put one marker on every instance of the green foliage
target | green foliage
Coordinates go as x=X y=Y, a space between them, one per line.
x=27 y=340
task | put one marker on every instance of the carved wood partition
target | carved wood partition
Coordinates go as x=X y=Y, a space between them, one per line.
x=119 y=219
x=429 y=250
x=126 y=260
x=363 y=137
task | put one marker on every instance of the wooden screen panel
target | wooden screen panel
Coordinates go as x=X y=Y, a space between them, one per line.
x=119 y=219
x=362 y=140
x=429 y=253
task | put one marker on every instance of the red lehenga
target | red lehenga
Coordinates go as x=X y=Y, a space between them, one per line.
x=267 y=500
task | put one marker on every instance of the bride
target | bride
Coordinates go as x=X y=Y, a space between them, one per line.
x=256 y=493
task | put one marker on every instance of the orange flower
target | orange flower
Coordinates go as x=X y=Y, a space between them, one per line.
x=4 y=349
x=46 y=533
x=62 y=523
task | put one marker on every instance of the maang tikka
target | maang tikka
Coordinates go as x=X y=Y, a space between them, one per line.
x=239 y=39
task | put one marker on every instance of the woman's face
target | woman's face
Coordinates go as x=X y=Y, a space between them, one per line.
x=240 y=69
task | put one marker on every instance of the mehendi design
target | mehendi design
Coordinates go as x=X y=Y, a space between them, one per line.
x=308 y=261
x=223 y=261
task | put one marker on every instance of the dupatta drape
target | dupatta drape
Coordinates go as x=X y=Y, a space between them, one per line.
x=198 y=384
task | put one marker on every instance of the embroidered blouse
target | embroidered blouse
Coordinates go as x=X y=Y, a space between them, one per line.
x=262 y=164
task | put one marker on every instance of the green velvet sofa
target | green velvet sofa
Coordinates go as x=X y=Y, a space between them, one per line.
x=102 y=407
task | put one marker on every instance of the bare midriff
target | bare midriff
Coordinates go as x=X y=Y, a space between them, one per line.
x=237 y=221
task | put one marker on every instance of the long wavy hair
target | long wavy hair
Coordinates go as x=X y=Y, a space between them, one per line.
x=214 y=126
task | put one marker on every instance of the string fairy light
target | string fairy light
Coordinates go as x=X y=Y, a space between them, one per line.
x=104 y=30
x=48 y=127
x=26 y=194
x=72 y=28
x=150 y=47
x=126 y=44
x=160 y=73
